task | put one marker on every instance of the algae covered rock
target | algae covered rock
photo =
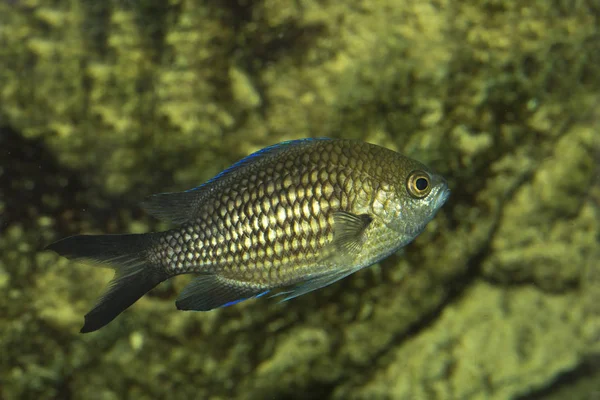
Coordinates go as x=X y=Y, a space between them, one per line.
x=545 y=235
x=103 y=103
x=495 y=343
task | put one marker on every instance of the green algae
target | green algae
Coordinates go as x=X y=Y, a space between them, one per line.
x=546 y=234
x=497 y=298
x=491 y=344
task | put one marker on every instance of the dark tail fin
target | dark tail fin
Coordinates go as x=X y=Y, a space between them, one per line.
x=134 y=274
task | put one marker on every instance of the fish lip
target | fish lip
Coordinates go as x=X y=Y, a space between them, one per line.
x=442 y=196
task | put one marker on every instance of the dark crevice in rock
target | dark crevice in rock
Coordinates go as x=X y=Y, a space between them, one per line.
x=585 y=376
x=31 y=181
x=161 y=14
x=316 y=390
x=33 y=184
x=455 y=292
x=257 y=43
x=97 y=18
x=456 y=289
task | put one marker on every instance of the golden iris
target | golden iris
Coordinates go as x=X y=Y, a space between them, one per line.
x=418 y=184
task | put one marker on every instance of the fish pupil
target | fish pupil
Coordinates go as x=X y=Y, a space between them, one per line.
x=421 y=184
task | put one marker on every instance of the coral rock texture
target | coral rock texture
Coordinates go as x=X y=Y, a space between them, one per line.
x=103 y=103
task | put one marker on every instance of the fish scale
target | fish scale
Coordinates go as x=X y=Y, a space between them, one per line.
x=300 y=215
x=247 y=212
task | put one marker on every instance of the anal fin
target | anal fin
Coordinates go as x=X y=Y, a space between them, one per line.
x=316 y=283
x=208 y=292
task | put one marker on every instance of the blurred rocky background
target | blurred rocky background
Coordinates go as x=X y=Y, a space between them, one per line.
x=105 y=102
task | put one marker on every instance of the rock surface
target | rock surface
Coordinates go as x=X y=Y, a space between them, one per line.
x=103 y=103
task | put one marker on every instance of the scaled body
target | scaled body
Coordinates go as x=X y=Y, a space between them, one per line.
x=301 y=214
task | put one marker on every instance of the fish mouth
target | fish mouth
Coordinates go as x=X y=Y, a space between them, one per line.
x=442 y=196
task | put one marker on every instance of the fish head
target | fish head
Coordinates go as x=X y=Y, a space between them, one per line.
x=412 y=200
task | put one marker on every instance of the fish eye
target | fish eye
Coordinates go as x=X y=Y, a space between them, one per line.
x=418 y=184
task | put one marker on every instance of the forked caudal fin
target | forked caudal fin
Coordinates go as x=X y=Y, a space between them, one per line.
x=134 y=274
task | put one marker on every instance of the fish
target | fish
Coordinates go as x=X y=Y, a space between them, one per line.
x=293 y=217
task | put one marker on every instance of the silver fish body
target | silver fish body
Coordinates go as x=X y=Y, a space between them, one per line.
x=301 y=215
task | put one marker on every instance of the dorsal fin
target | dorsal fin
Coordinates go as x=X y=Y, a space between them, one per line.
x=257 y=156
x=177 y=207
x=180 y=207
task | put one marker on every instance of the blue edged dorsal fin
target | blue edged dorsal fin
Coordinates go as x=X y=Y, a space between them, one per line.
x=256 y=156
x=180 y=207
x=207 y=292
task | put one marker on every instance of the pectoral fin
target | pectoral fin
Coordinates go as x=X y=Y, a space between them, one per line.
x=348 y=231
x=348 y=238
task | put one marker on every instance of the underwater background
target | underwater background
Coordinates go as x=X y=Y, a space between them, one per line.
x=105 y=102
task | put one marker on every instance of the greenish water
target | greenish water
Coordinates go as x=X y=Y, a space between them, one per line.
x=104 y=103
